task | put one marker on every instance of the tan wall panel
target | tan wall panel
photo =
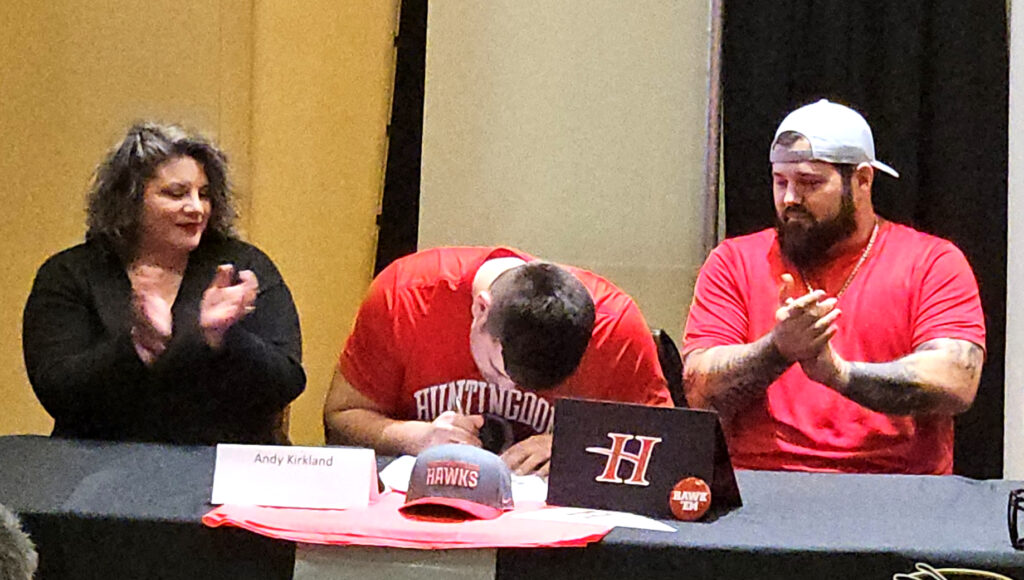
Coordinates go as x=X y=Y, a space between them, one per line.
x=73 y=75
x=323 y=78
x=299 y=89
x=574 y=130
x=1013 y=430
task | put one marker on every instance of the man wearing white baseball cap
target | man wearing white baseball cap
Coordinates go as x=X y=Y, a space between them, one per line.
x=837 y=340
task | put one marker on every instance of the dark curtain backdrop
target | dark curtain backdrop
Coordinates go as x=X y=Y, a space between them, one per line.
x=399 y=217
x=931 y=77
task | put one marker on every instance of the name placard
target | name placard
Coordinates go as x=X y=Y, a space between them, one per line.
x=302 y=477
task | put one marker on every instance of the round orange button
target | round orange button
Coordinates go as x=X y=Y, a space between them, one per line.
x=689 y=499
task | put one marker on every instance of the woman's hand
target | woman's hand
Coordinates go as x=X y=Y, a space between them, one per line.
x=151 y=316
x=225 y=302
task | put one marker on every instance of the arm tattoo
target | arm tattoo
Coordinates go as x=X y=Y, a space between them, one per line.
x=741 y=377
x=906 y=386
x=890 y=388
x=965 y=355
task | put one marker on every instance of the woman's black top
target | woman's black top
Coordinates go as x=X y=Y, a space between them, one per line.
x=84 y=368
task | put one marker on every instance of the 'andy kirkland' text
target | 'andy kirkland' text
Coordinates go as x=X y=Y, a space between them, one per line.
x=294 y=459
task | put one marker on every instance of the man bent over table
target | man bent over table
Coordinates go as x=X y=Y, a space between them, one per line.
x=449 y=334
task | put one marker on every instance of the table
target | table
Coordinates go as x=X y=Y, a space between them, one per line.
x=810 y=525
x=124 y=510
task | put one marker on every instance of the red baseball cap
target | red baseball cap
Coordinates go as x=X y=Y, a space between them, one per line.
x=466 y=478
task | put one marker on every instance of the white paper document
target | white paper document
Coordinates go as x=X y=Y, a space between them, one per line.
x=604 y=517
x=531 y=488
x=302 y=477
x=397 y=473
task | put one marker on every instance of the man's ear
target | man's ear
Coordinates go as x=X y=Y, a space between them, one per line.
x=481 y=303
x=863 y=177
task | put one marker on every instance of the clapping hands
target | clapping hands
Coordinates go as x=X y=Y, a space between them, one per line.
x=151 y=310
x=804 y=327
x=227 y=300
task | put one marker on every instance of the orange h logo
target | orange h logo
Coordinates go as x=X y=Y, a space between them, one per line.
x=617 y=454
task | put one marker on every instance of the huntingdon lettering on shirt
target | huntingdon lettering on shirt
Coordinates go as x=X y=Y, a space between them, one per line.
x=409 y=350
x=474 y=397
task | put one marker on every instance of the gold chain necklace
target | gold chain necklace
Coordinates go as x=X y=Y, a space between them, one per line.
x=860 y=262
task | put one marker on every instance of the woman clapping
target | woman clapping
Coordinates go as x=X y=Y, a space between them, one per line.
x=163 y=325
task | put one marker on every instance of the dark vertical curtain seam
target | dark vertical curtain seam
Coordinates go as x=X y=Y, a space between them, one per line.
x=398 y=221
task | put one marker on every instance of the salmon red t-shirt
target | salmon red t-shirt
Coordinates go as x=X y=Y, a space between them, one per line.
x=912 y=288
x=409 y=349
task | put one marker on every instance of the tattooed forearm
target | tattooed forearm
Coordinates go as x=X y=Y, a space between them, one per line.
x=728 y=378
x=891 y=388
x=940 y=377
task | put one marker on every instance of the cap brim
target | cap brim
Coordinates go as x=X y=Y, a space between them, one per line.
x=883 y=167
x=471 y=508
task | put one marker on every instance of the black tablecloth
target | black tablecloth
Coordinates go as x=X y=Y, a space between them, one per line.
x=104 y=510
x=809 y=525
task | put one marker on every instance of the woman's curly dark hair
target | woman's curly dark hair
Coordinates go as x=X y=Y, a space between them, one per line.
x=114 y=206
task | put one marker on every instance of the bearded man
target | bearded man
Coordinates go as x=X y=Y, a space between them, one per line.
x=838 y=340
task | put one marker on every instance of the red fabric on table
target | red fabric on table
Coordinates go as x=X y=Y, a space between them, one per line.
x=381 y=524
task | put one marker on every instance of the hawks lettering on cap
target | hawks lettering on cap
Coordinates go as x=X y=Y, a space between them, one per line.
x=453 y=474
x=617 y=454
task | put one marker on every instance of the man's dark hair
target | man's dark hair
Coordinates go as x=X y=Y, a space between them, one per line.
x=787 y=139
x=114 y=206
x=543 y=317
x=18 y=558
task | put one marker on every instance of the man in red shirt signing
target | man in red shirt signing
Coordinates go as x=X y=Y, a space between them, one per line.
x=448 y=336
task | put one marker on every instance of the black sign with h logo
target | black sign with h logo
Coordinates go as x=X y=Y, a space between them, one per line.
x=626 y=457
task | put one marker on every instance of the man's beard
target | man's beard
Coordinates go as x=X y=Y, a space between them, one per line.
x=806 y=242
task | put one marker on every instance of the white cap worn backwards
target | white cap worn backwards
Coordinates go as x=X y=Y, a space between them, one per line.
x=836 y=134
